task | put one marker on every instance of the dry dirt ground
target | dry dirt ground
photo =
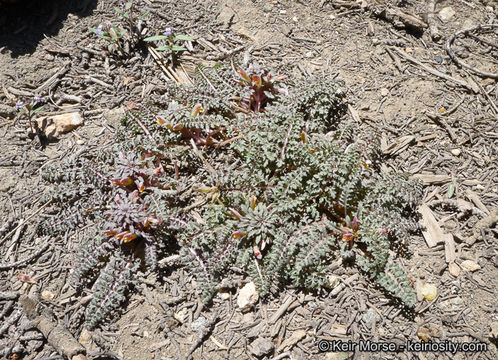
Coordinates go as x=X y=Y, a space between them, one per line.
x=437 y=121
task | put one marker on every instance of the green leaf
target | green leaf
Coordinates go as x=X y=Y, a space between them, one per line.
x=143 y=15
x=155 y=38
x=36 y=111
x=119 y=11
x=128 y=5
x=451 y=189
x=163 y=48
x=178 y=48
x=183 y=37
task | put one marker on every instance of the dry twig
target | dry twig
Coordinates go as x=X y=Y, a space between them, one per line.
x=432 y=71
x=453 y=57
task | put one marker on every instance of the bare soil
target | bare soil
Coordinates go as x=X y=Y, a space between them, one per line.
x=437 y=121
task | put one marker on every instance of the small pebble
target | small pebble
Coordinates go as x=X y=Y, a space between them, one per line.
x=429 y=291
x=446 y=13
x=47 y=295
x=224 y=295
x=199 y=324
x=295 y=19
x=454 y=269
x=248 y=296
x=456 y=152
x=470 y=266
x=333 y=281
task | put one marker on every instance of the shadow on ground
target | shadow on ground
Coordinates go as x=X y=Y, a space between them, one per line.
x=23 y=23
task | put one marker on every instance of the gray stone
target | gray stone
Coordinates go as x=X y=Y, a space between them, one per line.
x=199 y=324
x=369 y=316
x=446 y=13
x=261 y=347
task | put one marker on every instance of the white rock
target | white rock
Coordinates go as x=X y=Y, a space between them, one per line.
x=199 y=324
x=47 y=295
x=469 y=265
x=384 y=92
x=333 y=281
x=248 y=296
x=456 y=152
x=446 y=13
x=224 y=295
x=56 y=125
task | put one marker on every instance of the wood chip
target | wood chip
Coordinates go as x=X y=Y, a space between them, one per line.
x=475 y=199
x=449 y=248
x=354 y=113
x=296 y=336
x=433 y=234
x=430 y=179
x=398 y=145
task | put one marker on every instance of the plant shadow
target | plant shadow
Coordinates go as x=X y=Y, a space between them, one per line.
x=23 y=23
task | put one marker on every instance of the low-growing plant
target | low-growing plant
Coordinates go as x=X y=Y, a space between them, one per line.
x=129 y=14
x=113 y=35
x=258 y=87
x=170 y=41
x=126 y=33
x=116 y=191
x=28 y=108
x=318 y=188
x=282 y=186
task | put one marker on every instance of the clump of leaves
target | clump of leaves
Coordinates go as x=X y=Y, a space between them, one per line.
x=28 y=108
x=128 y=13
x=302 y=189
x=115 y=191
x=129 y=218
x=283 y=186
x=114 y=36
x=258 y=86
x=170 y=41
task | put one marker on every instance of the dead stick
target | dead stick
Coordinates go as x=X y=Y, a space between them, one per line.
x=56 y=334
x=29 y=217
x=453 y=57
x=490 y=43
x=438 y=120
x=490 y=100
x=199 y=154
x=432 y=71
x=431 y=6
x=25 y=260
